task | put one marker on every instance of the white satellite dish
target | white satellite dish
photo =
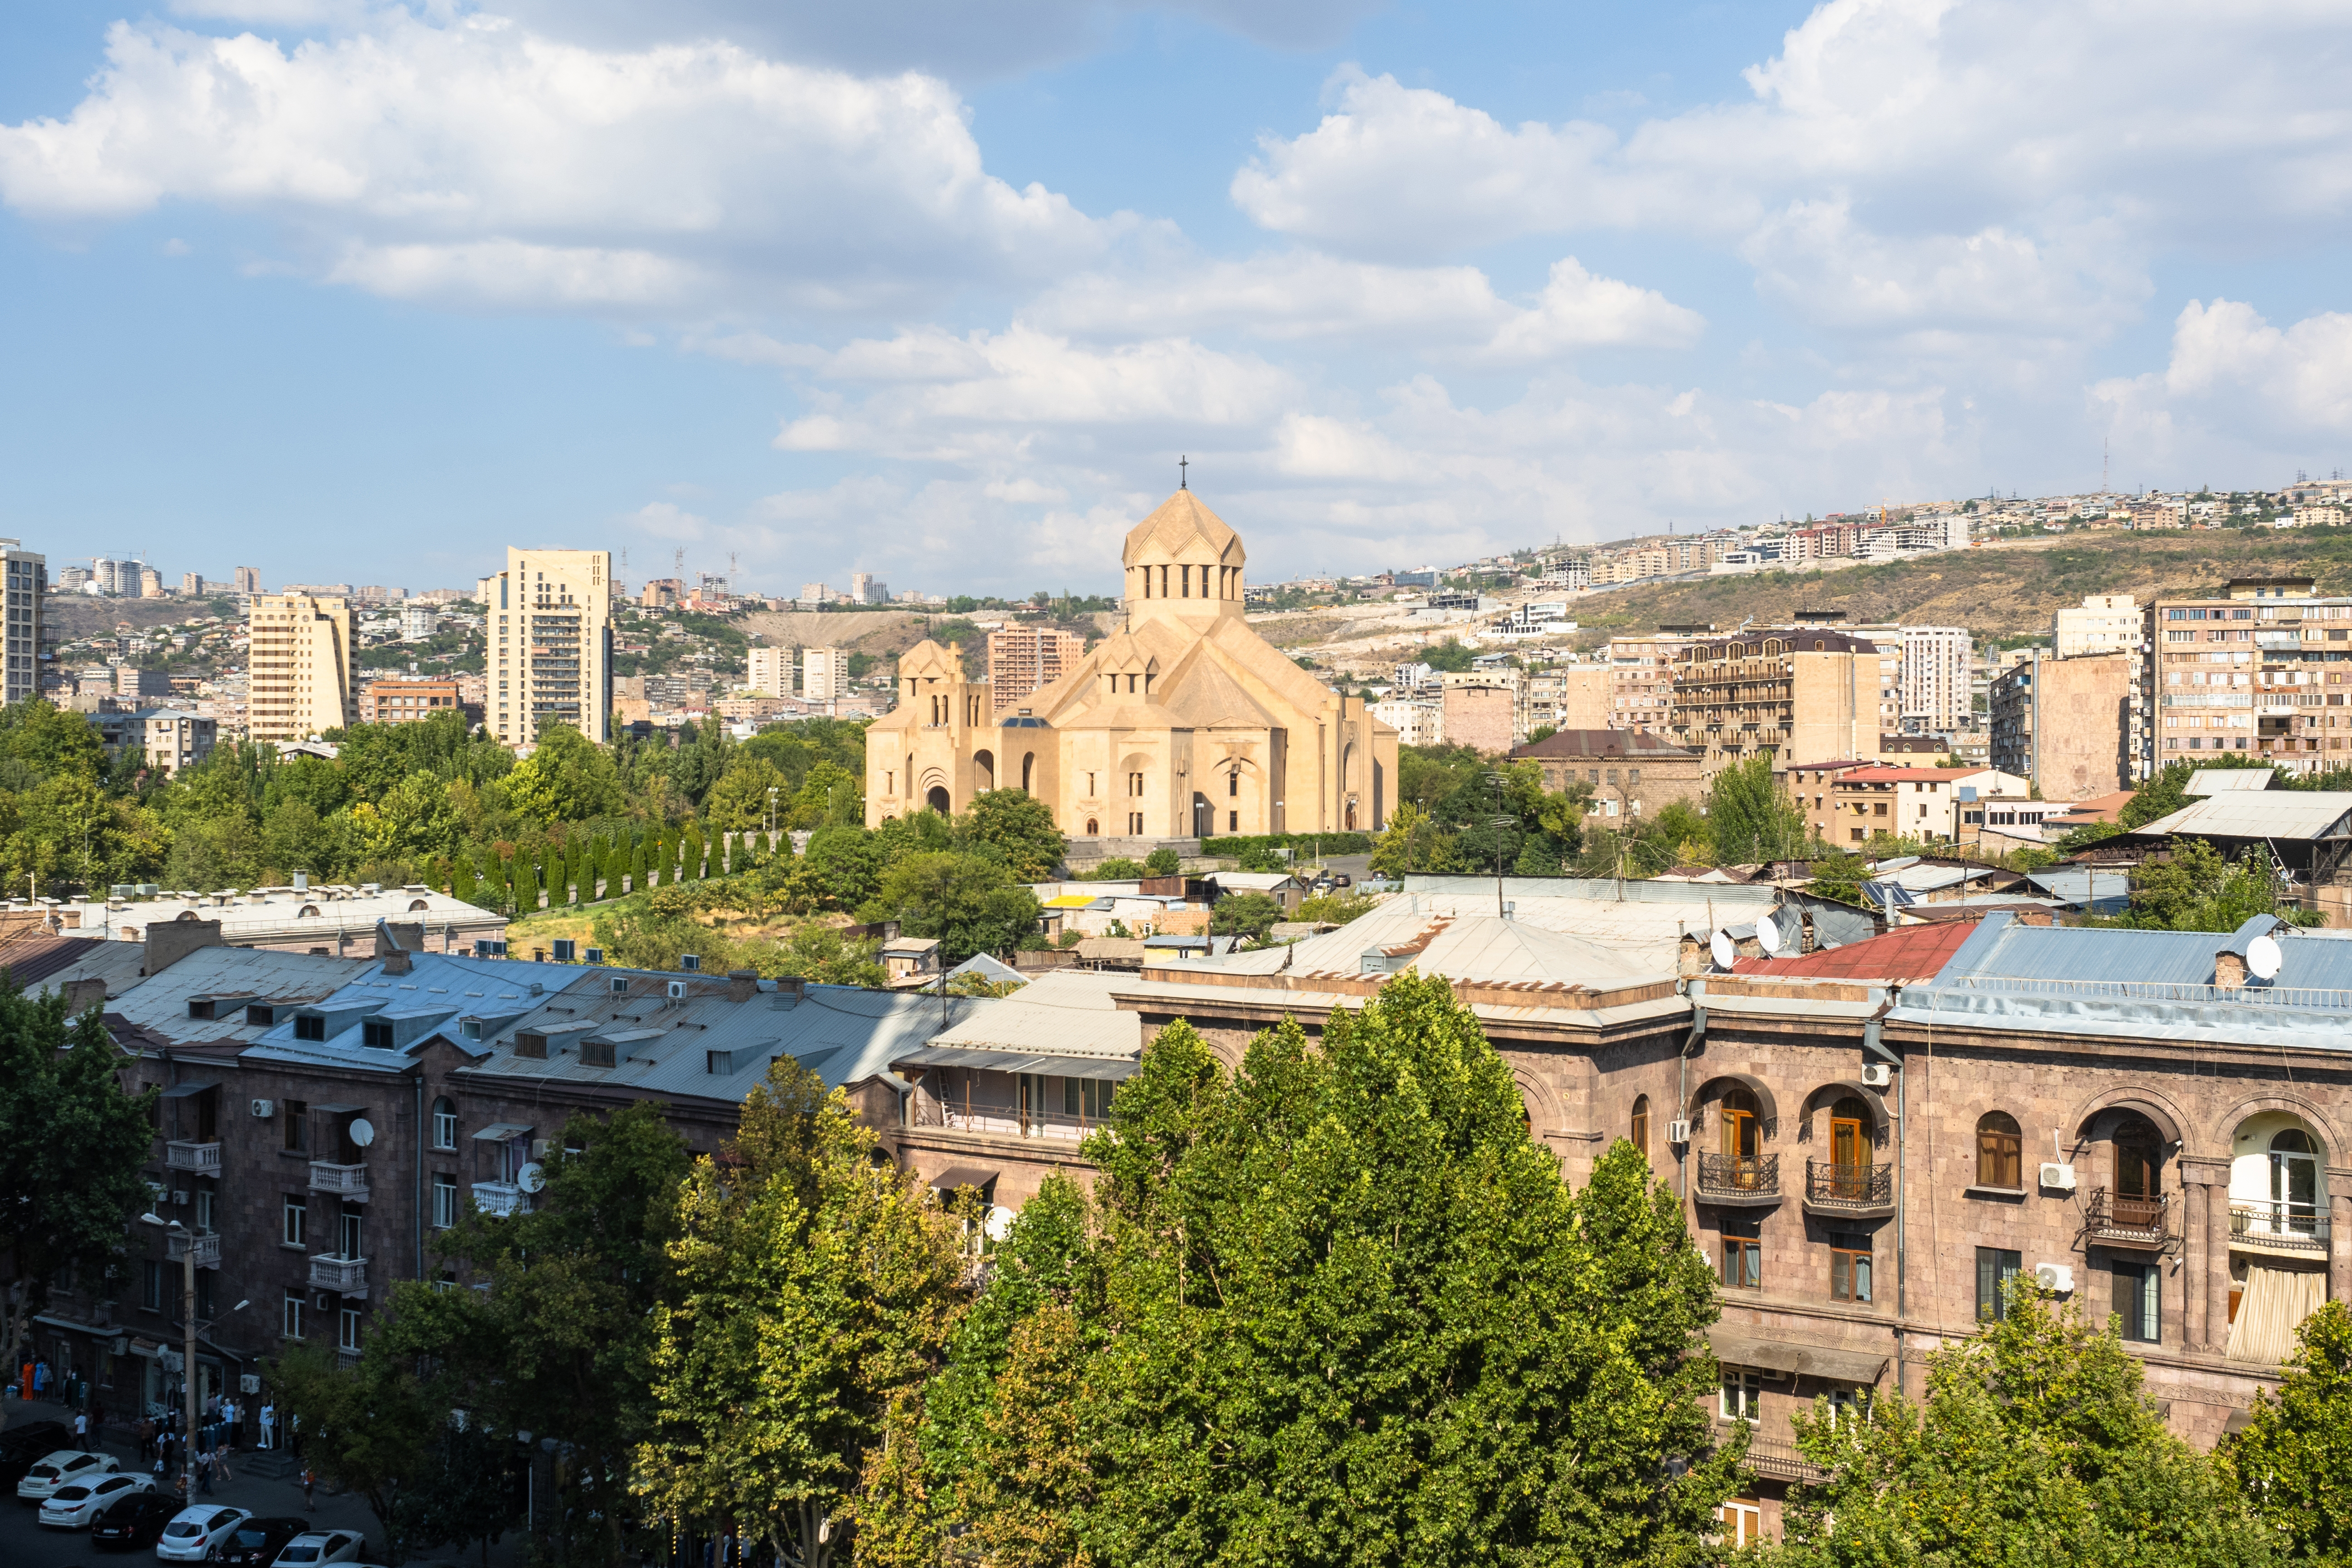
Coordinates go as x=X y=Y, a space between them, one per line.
x=999 y=1223
x=2264 y=957
x=531 y=1178
x=362 y=1132
x=1720 y=946
x=1767 y=934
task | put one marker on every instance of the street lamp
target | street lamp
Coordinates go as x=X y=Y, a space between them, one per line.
x=1498 y=823
x=188 y=1317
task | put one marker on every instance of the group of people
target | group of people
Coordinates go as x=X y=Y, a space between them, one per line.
x=206 y=1453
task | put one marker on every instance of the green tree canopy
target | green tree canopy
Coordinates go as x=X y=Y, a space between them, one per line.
x=969 y=903
x=1015 y=827
x=740 y=799
x=1750 y=818
x=1246 y=914
x=2292 y=1463
x=566 y=778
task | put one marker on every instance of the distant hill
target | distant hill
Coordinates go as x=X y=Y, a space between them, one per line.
x=2009 y=590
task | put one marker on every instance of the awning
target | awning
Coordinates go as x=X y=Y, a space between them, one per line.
x=975 y=1176
x=1734 y=1348
x=499 y=1132
x=1112 y=1069
x=338 y=1110
x=182 y=1090
x=2238 y=1421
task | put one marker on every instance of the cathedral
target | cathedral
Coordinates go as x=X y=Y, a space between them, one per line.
x=1182 y=724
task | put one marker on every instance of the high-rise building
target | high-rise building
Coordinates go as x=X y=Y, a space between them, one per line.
x=2065 y=724
x=824 y=674
x=248 y=580
x=419 y=622
x=304 y=666
x=1799 y=694
x=1936 y=694
x=2258 y=663
x=867 y=589
x=28 y=579
x=550 y=629
x=771 y=671
x=1023 y=658
x=814 y=594
x=2103 y=623
x=192 y=585
x=1642 y=679
x=150 y=583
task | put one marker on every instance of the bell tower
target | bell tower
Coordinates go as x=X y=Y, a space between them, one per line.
x=1183 y=564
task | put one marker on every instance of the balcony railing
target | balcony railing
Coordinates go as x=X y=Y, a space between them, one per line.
x=1728 y=1176
x=343 y=1181
x=500 y=1198
x=2131 y=1220
x=2297 y=1226
x=205 y=1243
x=1829 y=1186
x=348 y=1275
x=202 y=1158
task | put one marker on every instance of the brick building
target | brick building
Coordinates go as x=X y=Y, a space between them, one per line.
x=1022 y=659
x=2070 y=725
x=1630 y=775
x=2257 y=669
x=409 y=700
x=1786 y=692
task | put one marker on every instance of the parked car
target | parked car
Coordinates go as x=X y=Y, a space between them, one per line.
x=136 y=1518
x=1341 y=879
x=63 y=1468
x=73 y=1507
x=256 y=1542
x=22 y=1447
x=321 y=1546
x=196 y=1530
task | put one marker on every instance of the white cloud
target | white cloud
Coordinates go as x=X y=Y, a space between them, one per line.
x=480 y=163
x=1578 y=310
x=667 y=520
x=2238 y=397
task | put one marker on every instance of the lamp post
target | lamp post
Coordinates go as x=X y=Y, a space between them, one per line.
x=188 y=1318
x=1498 y=823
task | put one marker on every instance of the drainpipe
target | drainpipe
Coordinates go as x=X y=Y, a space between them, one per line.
x=1881 y=1003
x=416 y=1208
x=1696 y=1038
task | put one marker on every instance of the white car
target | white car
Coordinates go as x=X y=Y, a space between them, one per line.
x=73 y=1506
x=321 y=1546
x=63 y=1468
x=194 y=1532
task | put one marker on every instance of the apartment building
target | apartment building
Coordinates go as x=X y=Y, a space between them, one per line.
x=28 y=583
x=1020 y=659
x=1909 y=803
x=2260 y=668
x=2067 y=724
x=1567 y=696
x=156 y=739
x=771 y=672
x=303 y=667
x=1630 y=775
x=1811 y=785
x=1642 y=681
x=550 y=627
x=1418 y=718
x=407 y=700
x=824 y=674
x=1935 y=697
x=1785 y=692
x=2102 y=622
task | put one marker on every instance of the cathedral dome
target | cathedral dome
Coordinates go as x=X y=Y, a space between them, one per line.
x=1181 y=530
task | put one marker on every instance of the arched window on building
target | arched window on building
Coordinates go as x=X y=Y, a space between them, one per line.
x=1743 y=1139
x=1638 y=1132
x=2295 y=1183
x=2000 y=1151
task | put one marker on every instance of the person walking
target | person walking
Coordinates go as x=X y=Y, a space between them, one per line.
x=269 y=1424
x=81 y=1430
x=310 y=1479
x=204 y=1474
x=220 y=1463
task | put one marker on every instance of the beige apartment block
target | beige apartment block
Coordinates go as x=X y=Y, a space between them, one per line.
x=1568 y=697
x=550 y=617
x=2264 y=668
x=2066 y=723
x=770 y=673
x=1481 y=714
x=1023 y=660
x=304 y=668
x=1641 y=680
x=1936 y=677
x=1788 y=693
x=28 y=583
x=824 y=674
x=2102 y=622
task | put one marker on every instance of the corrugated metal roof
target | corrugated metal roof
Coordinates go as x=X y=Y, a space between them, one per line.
x=2302 y=816
x=160 y=1003
x=2077 y=886
x=1066 y=1013
x=1466 y=946
x=1643 y=930
x=2215 y=781
x=1909 y=953
x=39 y=961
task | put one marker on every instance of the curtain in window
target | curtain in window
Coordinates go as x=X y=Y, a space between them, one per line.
x=2275 y=1304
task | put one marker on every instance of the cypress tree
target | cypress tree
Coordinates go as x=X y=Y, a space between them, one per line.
x=462 y=879
x=636 y=866
x=693 y=854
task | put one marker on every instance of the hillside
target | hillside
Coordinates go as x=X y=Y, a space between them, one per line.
x=2007 y=590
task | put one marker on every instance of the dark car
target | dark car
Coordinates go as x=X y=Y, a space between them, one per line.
x=136 y=1521
x=258 y=1541
x=22 y=1447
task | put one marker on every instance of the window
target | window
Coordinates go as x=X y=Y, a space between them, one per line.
x=298 y=1114
x=2000 y=1151
x=1086 y=1098
x=445 y=1123
x=1743 y=1254
x=1849 y=1405
x=151 y=1287
x=1233 y=784
x=1996 y=1267
x=349 y=1337
x=1743 y=1128
x=1135 y=783
x=350 y=1238
x=2138 y=1299
x=1638 y=1132
x=298 y=1221
x=1743 y=1521
x=206 y=1306
x=1232 y=821
x=290 y=1322
x=445 y=1202
x=1743 y=1395
x=376 y=1035
x=310 y=1026
x=1849 y=1268
x=2295 y=1183
x=205 y=1200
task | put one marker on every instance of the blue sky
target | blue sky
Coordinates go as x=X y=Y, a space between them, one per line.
x=348 y=290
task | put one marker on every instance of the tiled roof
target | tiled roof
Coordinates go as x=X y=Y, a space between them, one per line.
x=1907 y=953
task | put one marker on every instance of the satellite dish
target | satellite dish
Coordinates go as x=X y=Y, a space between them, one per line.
x=1720 y=946
x=531 y=1178
x=2264 y=957
x=998 y=1224
x=1767 y=934
x=362 y=1132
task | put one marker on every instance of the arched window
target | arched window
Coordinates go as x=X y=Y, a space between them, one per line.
x=445 y=1123
x=2000 y=1151
x=1093 y=827
x=1848 y=1132
x=1638 y=1132
x=2140 y=1159
x=1743 y=1135
x=2294 y=1182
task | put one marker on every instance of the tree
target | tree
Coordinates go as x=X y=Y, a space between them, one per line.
x=1250 y=915
x=2035 y=1443
x=2198 y=888
x=848 y=862
x=367 y=1428
x=2292 y=1463
x=816 y=1290
x=1750 y=818
x=72 y=1145
x=1162 y=862
x=566 y=778
x=968 y=903
x=740 y=799
x=821 y=953
x=1015 y=827
x=458 y=1491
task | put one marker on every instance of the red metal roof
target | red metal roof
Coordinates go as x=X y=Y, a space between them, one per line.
x=1907 y=952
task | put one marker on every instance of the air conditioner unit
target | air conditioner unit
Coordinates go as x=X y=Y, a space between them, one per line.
x=1677 y=1131
x=1877 y=1075
x=677 y=990
x=179 y=1198
x=2056 y=1277
x=689 y=961
x=263 y=1107
x=248 y=1382
x=2056 y=1177
x=325 y=1301
x=620 y=985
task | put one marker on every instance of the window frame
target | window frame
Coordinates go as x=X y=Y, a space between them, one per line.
x=1996 y=1144
x=1742 y=1254
x=346 y=1329
x=2137 y=1300
x=294 y=1221
x=290 y=1310
x=1849 y=1266
x=1637 y=1126
x=1996 y=1267
x=1740 y=1394
x=445 y=1123
x=445 y=1201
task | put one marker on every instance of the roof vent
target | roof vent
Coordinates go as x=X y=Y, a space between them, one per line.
x=1372 y=961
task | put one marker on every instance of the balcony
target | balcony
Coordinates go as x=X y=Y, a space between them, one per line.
x=2278 y=1226
x=205 y=1243
x=202 y=1158
x=1728 y=1180
x=499 y=1198
x=1859 y=1190
x=2123 y=1220
x=347 y=1275
x=342 y=1181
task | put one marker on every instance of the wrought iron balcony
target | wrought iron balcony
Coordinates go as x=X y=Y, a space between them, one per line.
x=343 y=1181
x=1849 y=1189
x=500 y=1198
x=200 y=1158
x=206 y=1244
x=2126 y=1220
x=2298 y=1228
x=1730 y=1179
x=348 y=1275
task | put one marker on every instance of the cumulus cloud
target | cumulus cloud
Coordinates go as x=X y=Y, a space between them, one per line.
x=480 y=163
x=2238 y=395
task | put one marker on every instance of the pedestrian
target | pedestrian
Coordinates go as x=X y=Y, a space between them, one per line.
x=204 y=1474
x=81 y=1430
x=146 y=1430
x=270 y=1425
x=220 y=1463
x=310 y=1479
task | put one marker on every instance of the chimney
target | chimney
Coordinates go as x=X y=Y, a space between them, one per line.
x=388 y=948
x=743 y=984
x=84 y=994
x=2229 y=971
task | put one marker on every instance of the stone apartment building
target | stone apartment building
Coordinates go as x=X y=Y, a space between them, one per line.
x=1641 y=683
x=1024 y=658
x=2069 y=725
x=1907 y=803
x=1632 y=774
x=409 y=700
x=2260 y=668
x=1785 y=692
